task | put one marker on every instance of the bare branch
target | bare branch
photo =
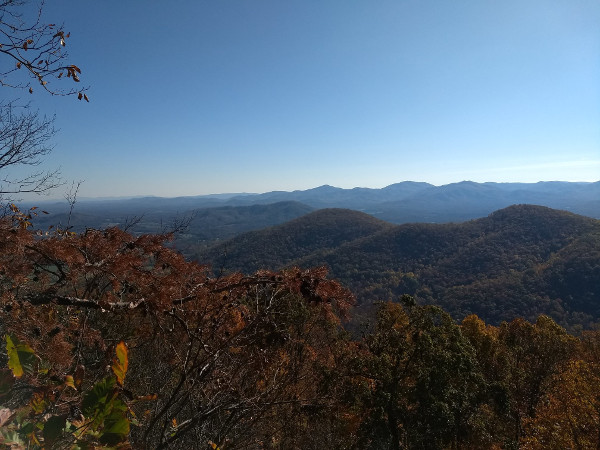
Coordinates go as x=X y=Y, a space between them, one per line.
x=34 y=50
x=71 y=197
x=25 y=138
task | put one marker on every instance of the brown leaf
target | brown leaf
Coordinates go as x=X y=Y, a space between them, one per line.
x=5 y=416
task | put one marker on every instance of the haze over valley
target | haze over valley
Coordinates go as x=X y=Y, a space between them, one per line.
x=467 y=247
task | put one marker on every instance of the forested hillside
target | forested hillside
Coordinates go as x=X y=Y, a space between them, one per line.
x=521 y=261
x=116 y=341
x=320 y=231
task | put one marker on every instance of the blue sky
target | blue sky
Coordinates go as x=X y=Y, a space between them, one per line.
x=197 y=97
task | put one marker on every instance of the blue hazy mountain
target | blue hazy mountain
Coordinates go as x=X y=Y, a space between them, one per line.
x=222 y=216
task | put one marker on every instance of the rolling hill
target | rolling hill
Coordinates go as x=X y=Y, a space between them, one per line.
x=320 y=231
x=523 y=260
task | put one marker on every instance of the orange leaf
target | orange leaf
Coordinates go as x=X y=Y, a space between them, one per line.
x=79 y=373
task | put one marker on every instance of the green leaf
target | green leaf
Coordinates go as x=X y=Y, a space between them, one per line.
x=53 y=429
x=27 y=428
x=11 y=437
x=120 y=362
x=116 y=429
x=6 y=381
x=95 y=400
x=21 y=357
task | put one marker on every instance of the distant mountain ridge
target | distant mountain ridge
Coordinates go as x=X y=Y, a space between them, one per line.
x=411 y=201
x=221 y=216
x=523 y=260
x=403 y=202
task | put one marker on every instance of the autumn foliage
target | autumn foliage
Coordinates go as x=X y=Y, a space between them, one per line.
x=114 y=340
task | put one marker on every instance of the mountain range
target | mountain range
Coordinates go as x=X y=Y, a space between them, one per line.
x=462 y=245
x=221 y=216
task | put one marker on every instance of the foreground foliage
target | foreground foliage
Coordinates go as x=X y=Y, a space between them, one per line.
x=115 y=341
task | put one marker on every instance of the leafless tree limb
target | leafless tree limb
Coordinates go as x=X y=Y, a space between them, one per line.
x=35 y=47
x=25 y=138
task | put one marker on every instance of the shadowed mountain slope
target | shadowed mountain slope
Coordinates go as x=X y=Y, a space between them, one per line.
x=321 y=230
x=520 y=261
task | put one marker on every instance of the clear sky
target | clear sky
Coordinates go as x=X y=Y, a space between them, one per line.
x=195 y=97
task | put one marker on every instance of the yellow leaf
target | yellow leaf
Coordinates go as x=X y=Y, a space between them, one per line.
x=120 y=362
x=13 y=357
x=69 y=381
